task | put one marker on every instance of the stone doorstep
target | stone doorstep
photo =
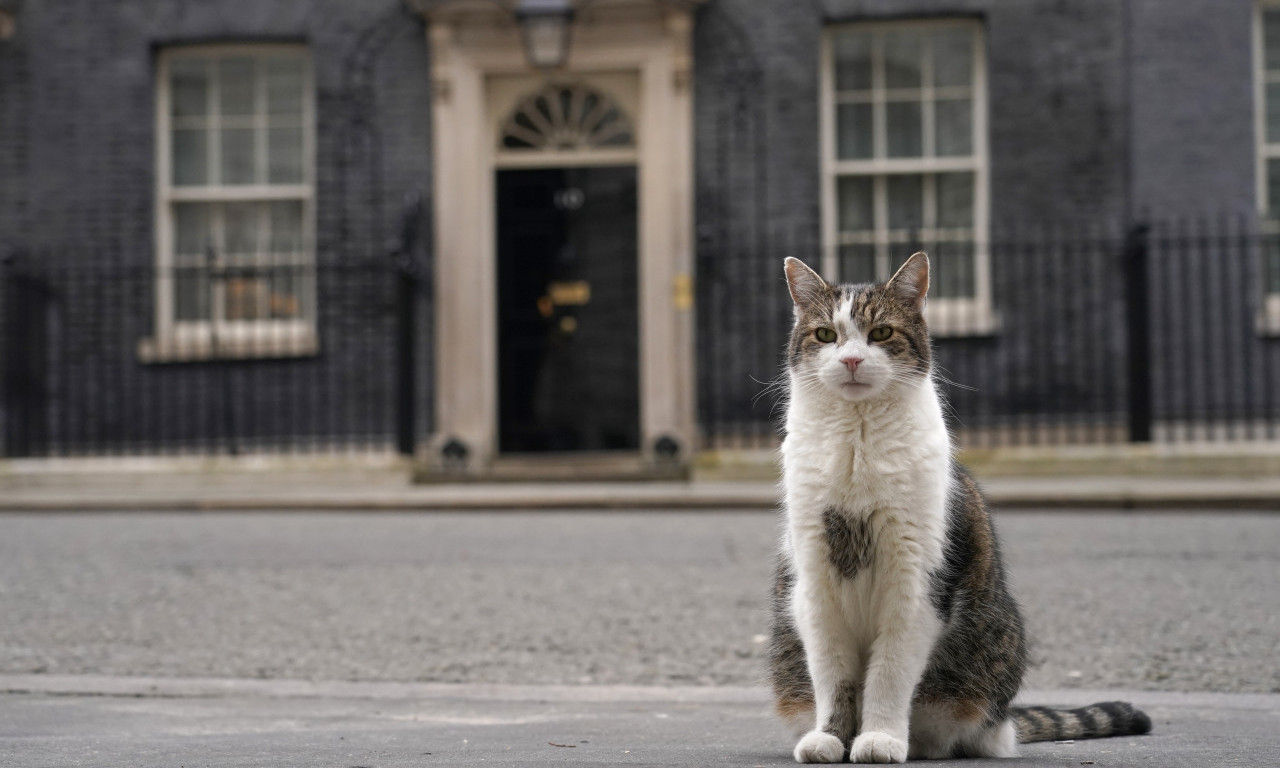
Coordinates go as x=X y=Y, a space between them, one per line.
x=1174 y=477
x=615 y=466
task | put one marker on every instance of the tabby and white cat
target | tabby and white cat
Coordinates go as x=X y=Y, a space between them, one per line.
x=894 y=633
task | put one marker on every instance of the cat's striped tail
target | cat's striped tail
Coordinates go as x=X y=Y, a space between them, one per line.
x=1107 y=718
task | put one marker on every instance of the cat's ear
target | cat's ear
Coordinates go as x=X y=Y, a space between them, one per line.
x=805 y=284
x=911 y=281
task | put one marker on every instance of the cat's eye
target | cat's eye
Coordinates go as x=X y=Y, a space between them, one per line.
x=881 y=333
x=825 y=335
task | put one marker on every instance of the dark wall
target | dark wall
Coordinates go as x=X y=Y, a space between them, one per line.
x=1099 y=111
x=1056 y=98
x=1193 y=107
x=1057 y=147
x=77 y=186
x=15 y=92
x=90 y=70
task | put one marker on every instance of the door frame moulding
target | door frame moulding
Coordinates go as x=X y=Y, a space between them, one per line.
x=472 y=42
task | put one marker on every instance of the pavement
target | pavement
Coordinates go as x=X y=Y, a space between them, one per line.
x=118 y=722
x=132 y=490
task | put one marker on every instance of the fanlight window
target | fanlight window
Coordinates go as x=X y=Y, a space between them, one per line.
x=567 y=117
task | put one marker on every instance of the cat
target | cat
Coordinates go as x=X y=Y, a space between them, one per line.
x=894 y=632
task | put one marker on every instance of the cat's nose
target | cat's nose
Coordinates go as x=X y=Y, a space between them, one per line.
x=851 y=363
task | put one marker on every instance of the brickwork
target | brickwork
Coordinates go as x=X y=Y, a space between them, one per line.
x=15 y=90
x=77 y=186
x=1193 y=109
x=1098 y=110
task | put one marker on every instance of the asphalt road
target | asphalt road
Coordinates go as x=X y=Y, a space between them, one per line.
x=1163 y=601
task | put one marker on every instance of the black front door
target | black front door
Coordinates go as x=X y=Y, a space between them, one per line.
x=568 y=319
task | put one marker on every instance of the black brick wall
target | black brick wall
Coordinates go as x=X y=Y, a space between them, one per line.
x=1098 y=109
x=1193 y=107
x=77 y=124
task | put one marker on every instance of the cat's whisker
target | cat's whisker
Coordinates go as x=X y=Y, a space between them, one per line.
x=774 y=385
x=941 y=373
x=939 y=377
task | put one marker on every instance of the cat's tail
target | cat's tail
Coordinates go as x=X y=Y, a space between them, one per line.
x=1107 y=718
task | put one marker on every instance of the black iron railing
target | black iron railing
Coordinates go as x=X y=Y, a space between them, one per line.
x=214 y=358
x=1164 y=332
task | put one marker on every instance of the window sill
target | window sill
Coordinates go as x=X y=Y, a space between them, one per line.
x=183 y=348
x=1267 y=322
x=949 y=319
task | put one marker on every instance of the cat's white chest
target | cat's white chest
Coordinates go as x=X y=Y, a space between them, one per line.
x=867 y=460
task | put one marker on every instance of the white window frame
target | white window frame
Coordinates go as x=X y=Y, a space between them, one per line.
x=947 y=316
x=175 y=340
x=1269 y=321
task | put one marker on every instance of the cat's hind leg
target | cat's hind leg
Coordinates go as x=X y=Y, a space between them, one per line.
x=999 y=740
x=935 y=731
x=945 y=729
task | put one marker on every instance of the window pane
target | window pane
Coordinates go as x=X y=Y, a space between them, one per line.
x=857 y=210
x=619 y=137
x=902 y=57
x=952 y=57
x=853 y=61
x=285 y=301
x=1271 y=249
x=284 y=155
x=192 y=235
x=189 y=84
x=237 y=156
x=246 y=298
x=235 y=86
x=858 y=263
x=190 y=158
x=1271 y=38
x=1273 y=190
x=190 y=294
x=1273 y=112
x=906 y=204
x=951 y=273
x=904 y=128
x=284 y=86
x=955 y=199
x=953 y=126
x=286 y=227
x=853 y=131
x=240 y=223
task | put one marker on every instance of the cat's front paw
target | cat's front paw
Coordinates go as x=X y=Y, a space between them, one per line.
x=877 y=747
x=819 y=747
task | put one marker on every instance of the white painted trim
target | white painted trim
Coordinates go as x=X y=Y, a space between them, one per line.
x=239 y=192
x=570 y=159
x=196 y=341
x=646 y=41
x=1259 y=110
x=830 y=259
x=1268 y=323
x=168 y=334
x=950 y=316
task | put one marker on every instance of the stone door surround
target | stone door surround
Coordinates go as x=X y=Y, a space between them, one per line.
x=636 y=51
